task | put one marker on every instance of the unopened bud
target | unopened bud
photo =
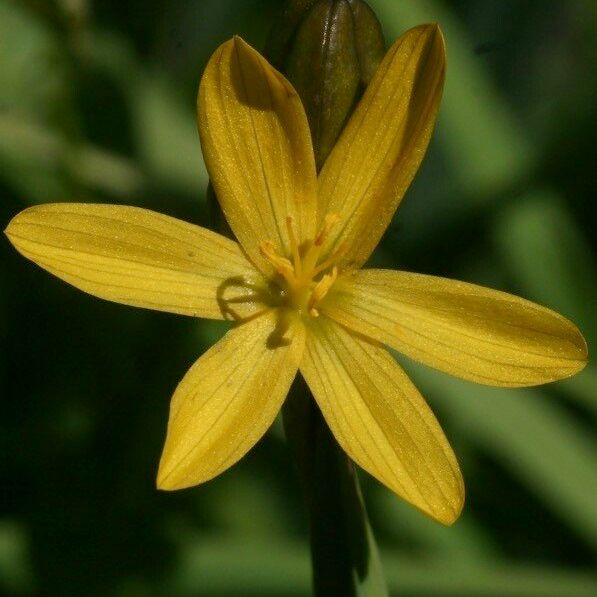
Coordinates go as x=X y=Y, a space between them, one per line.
x=329 y=50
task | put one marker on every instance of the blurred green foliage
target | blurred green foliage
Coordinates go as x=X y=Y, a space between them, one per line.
x=97 y=104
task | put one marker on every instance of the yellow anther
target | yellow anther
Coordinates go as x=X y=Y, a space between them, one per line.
x=321 y=289
x=281 y=264
x=312 y=255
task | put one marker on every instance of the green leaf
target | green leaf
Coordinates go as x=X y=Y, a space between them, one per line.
x=466 y=542
x=33 y=159
x=218 y=566
x=34 y=107
x=34 y=74
x=167 y=136
x=44 y=166
x=163 y=120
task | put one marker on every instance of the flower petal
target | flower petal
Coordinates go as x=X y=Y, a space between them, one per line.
x=257 y=148
x=139 y=257
x=469 y=331
x=379 y=152
x=229 y=398
x=380 y=419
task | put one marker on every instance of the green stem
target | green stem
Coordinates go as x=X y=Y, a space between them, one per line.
x=344 y=555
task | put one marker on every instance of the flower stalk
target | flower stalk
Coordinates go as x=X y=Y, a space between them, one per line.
x=344 y=555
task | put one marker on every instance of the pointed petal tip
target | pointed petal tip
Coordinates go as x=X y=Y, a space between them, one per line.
x=237 y=43
x=448 y=512
x=582 y=360
x=453 y=515
x=167 y=478
x=243 y=47
x=445 y=511
x=450 y=519
x=24 y=216
x=14 y=221
x=164 y=481
x=162 y=486
x=431 y=30
x=576 y=353
x=7 y=227
x=247 y=52
x=237 y=40
x=439 y=36
x=435 y=28
x=583 y=353
x=584 y=349
x=434 y=38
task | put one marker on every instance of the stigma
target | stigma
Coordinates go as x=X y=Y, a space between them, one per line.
x=305 y=279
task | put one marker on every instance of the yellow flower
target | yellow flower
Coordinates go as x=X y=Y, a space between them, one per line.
x=293 y=281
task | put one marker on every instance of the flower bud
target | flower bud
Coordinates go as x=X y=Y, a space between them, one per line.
x=329 y=50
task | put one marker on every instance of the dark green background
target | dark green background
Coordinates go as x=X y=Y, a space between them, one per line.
x=97 y=104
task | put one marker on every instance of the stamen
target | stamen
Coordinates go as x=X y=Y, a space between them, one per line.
x=294 y=247
x=320 y=290
x=315 y=248
x=281 y=264
x=300 y=269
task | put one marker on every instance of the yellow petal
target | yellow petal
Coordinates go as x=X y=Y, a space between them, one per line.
x=257 y=148
x=383 y=144
x=472 y=332
x=380 y=419
x=229 y=398
x=139 y=257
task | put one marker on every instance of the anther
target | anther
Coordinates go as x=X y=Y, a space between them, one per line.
x=281 y=264
x=321 y=289
x=314 y=250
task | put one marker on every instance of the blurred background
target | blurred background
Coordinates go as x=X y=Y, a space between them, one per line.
x=97 y=104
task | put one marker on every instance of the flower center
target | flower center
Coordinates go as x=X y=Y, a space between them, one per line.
x=306 y=281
